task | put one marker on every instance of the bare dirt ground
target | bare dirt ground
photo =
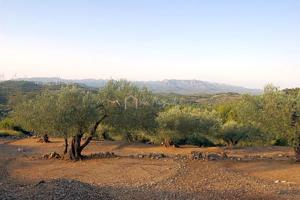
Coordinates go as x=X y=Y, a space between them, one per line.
x=23 y=175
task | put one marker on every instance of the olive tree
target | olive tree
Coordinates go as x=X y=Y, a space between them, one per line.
x=36 y=115
x=269 y=112
x=131 y=109
x=232 y=133
x=295 y=124
x=184 y=122
x=70 y=112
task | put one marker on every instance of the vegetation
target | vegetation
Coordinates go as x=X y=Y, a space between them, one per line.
x=5 y=133
x=70 y=112
x=128 y=112
x=186 y=125
x=131 y=110
x=232 y=133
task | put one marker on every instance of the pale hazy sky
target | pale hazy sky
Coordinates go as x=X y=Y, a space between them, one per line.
x=248 y=43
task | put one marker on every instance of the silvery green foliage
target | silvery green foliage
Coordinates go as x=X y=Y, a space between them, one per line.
x=62 y=113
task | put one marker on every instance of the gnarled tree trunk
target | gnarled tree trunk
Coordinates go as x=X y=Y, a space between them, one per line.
x=167 y=143
x=44 y=139
x=76 y=147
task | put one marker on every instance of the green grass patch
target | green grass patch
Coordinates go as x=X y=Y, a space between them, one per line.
x=5 y=133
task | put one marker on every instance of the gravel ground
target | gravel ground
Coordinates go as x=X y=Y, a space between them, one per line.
x=194 y=180
x=55 y=189
x=207 y=180
x=128 y=179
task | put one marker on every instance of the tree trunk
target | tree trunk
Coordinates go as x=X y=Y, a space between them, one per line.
x=105 y=135
x=75 y=150
x=297 y=147
x=297 y=153
x=167 y=143
x=129 y=137
x=76 y=147
x=44 y=139
x=66 y=146
x=294 y=124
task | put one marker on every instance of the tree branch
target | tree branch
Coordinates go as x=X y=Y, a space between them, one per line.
x=92 y=132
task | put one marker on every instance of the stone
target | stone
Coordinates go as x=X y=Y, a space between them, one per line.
x=196 y=155
x=214 y=156
x=141 y=156
x=103 y=155
x=156 y=156
x=52 y=155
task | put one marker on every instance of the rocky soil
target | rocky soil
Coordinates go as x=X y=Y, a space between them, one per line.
x=144 y=175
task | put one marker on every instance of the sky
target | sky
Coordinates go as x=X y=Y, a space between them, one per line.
x=248 y=43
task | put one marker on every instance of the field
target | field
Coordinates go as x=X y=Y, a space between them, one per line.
x=259 y=173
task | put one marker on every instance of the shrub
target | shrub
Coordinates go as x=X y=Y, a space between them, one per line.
x=280 y=142
x=5 y=133
x=142 y=136
x=168 y=137
x=7 y=123
x=199 y=140
x=233 y=133
x=179 y=124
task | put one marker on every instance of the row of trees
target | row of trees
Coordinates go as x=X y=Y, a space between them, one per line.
x=137 y=114
x=270 y=113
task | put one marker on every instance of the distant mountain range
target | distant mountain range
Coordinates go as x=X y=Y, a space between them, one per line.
x=165 y=86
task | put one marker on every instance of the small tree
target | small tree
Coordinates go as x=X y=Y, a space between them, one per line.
x=295 y=124
x=232 y=133
x=36 y=115
x=185 y=122
x=70 y=112
x=130 y=109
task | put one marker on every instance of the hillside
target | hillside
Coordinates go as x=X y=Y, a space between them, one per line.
x=185 y=87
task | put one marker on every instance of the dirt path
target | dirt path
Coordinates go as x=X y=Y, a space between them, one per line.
x=24 y=176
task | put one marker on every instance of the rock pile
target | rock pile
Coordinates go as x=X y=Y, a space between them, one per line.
x=139 y=156
x=52 y=155
x=181 y=157
x=150 y=155
x=103 y=155
x=196 y=155
x=156 y=155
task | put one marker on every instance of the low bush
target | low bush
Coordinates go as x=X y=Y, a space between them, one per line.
x=233 y=133
x=5 y=133
x=280 y=142
x=199 y=140
x=8 y=124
